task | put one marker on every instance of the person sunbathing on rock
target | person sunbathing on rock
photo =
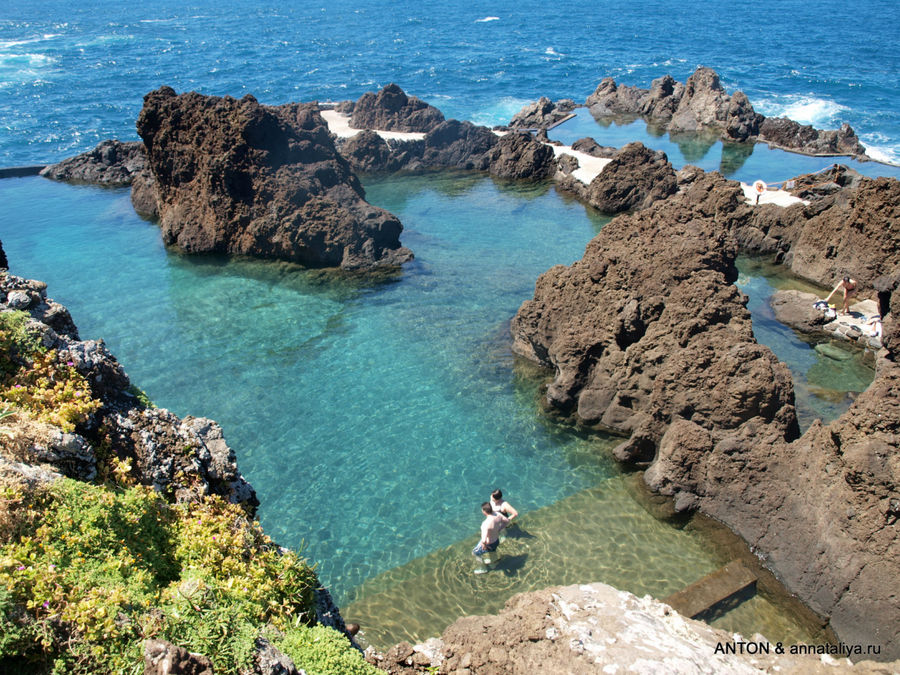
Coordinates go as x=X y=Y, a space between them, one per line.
x=849 y=287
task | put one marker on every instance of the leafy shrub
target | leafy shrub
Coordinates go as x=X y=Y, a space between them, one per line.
x=320 y=650
x=101 y=570
x=33 y=379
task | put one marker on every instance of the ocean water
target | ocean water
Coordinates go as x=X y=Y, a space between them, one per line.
x=373 y=419
x=73 y=74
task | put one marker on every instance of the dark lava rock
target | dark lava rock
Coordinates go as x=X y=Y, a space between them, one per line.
x=796 y=309
x=784 y=133
x=635 y=178
x=111 y=164
x=143 y=195
x=648 y=326
x=392 y=110
x=238 y=177
x=459 y=145
x=590 y=147
x=542 y=114
x=702 y=103
x=648 y=336
x=519 y=155
x=4 y=263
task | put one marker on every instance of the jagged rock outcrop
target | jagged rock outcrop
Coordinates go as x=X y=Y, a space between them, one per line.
x=111 y=164
x=542 y=114
x=4 y=263
x=519 y=155
x=239 y=177
x=781 y=132
x=392 y=110
x=702 y=103
x=182 y=458
x=143 y=195
x=595 y=628
x=850 y=227
x=635 y=178
x=648 y=326
x=453 y=144
x=650 y=309
x=589 y=146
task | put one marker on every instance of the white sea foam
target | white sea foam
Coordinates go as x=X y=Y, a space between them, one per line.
x=549 y=51
x=878 y=148
x=500 y=111
x=487 y=18
x=808 y=109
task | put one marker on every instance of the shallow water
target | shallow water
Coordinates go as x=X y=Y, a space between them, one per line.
x=825 y=381
x=601 y=534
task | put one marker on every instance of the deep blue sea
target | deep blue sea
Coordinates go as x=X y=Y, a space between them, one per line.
x=374 y=419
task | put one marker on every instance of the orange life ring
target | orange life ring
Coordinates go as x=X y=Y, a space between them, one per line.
x=760 y=187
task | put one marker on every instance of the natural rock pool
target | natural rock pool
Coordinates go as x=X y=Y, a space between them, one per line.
x=374 y=418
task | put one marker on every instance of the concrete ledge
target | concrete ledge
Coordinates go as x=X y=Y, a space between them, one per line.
x=713 y=589
x=20 y=171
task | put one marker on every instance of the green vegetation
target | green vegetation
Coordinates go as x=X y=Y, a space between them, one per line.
x=31 y=377
x=320 y=651
x=89 y=571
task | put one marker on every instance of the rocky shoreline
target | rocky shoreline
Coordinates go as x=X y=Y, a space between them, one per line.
x=647 y=335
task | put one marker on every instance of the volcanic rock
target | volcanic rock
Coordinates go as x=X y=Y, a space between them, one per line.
x=648 y=326
x=703 y=104
x=4 y=263
x=787 y=134
x=111 y=164
x=392 y=110
x=635 y=178
x=238 y=177
x=542 y=114
x=590 y=147
x=519 y=155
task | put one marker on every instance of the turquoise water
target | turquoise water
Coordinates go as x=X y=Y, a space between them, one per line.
x=736 y=161
x=373 y=421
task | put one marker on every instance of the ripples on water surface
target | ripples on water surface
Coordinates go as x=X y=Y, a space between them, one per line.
x=372 y=419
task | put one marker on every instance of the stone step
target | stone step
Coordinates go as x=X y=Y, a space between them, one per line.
x=714 y=589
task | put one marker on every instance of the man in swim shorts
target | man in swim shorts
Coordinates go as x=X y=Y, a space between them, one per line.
x=490 y=531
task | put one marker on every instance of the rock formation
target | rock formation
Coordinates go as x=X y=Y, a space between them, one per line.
x=111 y=164
x=4 y=263
x=182 y=458
x=453 y=145
x=595 y=628
x=635 y=178
x=542 y=114
x=392 y=110
x=648 y=326
x=702 y=103
x=647 y=336
x=238 y=177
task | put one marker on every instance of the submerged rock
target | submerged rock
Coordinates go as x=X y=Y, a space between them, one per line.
x=239 y=177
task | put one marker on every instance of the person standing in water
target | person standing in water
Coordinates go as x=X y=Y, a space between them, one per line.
x=849 y=287
x=502 y=507
x=490 y=534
